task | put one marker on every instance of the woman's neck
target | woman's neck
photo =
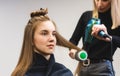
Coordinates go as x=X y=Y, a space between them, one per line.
x=47 y=57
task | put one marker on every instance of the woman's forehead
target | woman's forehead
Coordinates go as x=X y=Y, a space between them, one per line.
x=46 y=25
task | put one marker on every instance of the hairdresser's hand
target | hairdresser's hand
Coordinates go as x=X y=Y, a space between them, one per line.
x=96 y=28
x=72 y=53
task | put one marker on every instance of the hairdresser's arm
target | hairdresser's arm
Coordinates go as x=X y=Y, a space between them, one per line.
x=116 y=41
x=96 y=28
x=77 y=34
x=114 y=38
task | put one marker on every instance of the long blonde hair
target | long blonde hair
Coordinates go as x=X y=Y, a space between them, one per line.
x=26 y=55
x=115 y=12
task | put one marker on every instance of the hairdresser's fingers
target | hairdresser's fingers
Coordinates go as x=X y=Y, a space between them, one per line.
x=96 y=28
x=72 y=53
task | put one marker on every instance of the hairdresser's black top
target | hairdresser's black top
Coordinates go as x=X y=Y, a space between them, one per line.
x=98 y=49
x=43 y=67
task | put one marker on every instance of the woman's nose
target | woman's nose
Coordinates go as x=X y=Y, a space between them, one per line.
x=51 y=38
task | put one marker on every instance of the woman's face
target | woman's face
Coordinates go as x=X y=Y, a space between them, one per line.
x=103 y=5
x=44 y=38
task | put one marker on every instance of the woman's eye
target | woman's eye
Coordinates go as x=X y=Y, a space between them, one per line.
x=54 y=33
x=105 y=0
x=44 y=33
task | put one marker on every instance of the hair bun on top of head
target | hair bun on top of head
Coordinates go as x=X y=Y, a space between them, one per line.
x=41 y=12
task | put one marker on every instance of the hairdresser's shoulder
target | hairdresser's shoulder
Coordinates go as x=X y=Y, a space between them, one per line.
x=87 y=12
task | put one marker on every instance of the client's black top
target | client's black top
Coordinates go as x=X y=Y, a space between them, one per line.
x=98 y=49
x=43 y=67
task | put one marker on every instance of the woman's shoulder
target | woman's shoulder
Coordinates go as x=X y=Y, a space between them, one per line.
x=59 y=69
x=59 y=65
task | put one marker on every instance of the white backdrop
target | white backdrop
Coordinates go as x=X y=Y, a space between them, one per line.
x=14 y=15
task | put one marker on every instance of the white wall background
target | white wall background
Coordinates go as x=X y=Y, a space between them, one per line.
x=14 y=15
